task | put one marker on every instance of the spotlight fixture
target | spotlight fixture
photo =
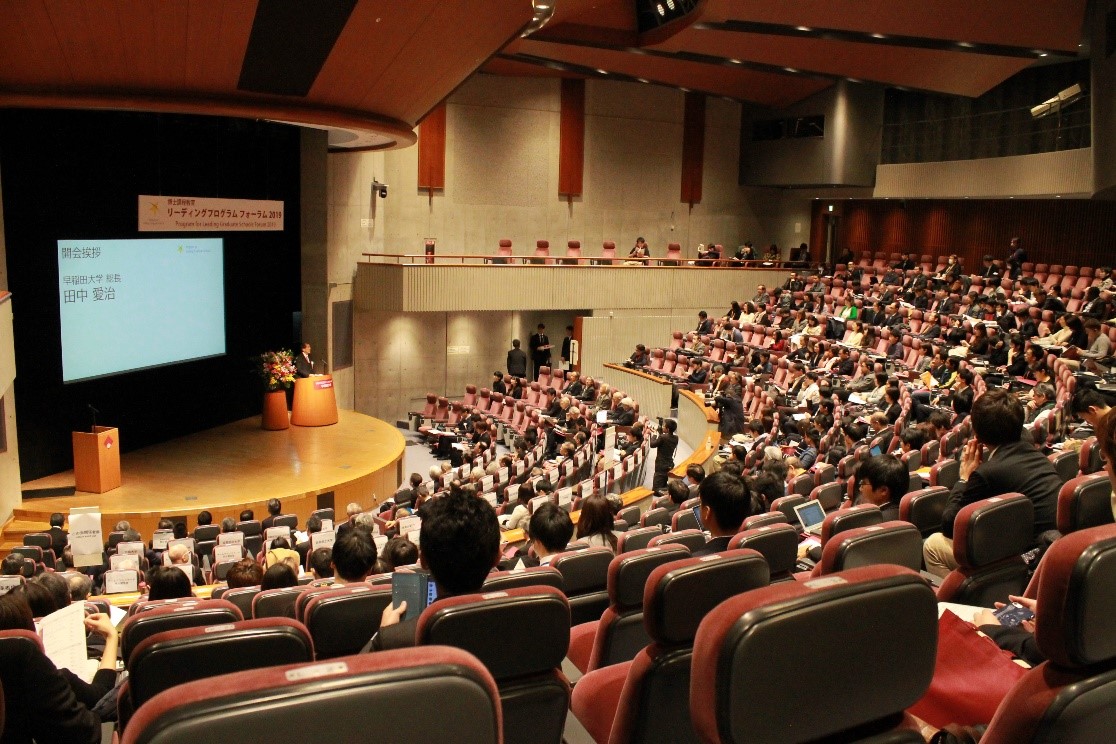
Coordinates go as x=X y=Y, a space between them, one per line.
x=1055 y=104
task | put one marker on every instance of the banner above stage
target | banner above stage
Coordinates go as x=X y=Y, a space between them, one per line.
x=202 y=214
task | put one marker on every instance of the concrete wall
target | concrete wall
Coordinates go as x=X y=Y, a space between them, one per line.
x=845 y=156
x=502 y=176
x=1046 y=174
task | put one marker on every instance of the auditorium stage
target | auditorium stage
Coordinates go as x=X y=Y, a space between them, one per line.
x=237 y=466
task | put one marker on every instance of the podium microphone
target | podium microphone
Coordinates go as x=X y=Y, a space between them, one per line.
x=94 y=411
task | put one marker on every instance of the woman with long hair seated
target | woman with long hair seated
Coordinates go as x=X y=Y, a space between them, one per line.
x=594 y=526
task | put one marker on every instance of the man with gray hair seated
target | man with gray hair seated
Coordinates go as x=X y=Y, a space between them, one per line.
x=350 y=512
x=81 y=586
x=179 y=555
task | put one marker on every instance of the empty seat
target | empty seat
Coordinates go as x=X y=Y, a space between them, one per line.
x=748 y=660
x=923 y=508
x=643 y=700
x=173 y=617
x=524 y=657
x=1065 y=464
x=1085 y=502
x=349 y=696
x=896 y=543
x=619 y=635
x=175 y=657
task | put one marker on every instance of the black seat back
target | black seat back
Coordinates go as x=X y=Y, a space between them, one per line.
x=585 y=577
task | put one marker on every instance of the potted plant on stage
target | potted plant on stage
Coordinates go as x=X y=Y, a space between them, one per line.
x=277 y=370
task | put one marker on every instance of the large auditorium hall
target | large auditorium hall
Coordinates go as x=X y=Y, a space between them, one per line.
x=558 y=371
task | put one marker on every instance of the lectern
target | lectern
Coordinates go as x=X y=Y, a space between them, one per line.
x=315 y=403
x=97 y=459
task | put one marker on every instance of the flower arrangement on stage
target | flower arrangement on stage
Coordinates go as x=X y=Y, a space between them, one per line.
x=276 y=369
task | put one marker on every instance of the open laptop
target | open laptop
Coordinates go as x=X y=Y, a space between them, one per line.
x=810 y=515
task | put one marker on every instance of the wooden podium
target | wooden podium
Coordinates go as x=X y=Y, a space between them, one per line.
x=315 y=403
x=97 y=459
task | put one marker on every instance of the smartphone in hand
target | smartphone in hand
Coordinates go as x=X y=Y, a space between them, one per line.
x=1013 y=614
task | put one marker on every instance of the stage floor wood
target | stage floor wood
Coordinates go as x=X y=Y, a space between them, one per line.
x=238 y=466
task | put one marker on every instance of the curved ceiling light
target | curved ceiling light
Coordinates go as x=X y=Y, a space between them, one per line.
x=544 y=11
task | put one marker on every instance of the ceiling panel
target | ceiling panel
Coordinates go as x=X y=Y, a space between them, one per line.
x=1041 y=24
x=957 y=73
x=765 y=88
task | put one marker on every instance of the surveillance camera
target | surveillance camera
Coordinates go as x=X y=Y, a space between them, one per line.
x=380 y=188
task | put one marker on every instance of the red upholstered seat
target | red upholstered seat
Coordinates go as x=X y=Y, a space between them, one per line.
x=524 y=656
x=777 y=543
x=608 y=252
x=1085 y=502
x=358 y=692
x=1071 y=697
x=896 y=543
x=165 y=660
x=173 y=617
x=619 y=635
x=989 y=537
x=643 y=700
x=749 y=657
x=923 y=508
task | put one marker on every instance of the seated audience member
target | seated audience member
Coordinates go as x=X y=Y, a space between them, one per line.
x=321 y=564
x=40 y=598
x=882 y=480
x=281 y=552
x=459 y=543
x=179 y=555
x=676 y=492
x=247 y=515
x=354 y=557
x=351 y=511
x=274 y=509
x=550 y=532
x=278 y=576
x=204 y=518
x=58 y=587
x=1013 y=466
x=228 y=524
x=521 y=510
x=408 y=491
x=398 y=551
x=594 y=526
x=765 y=488
x=58 y=536
x=167 y=582
x=313 y=526
x=245 y=572
x=726 y=502
x=41 y=702
x=1090 y=405
x=80 y=585
x=12 y=565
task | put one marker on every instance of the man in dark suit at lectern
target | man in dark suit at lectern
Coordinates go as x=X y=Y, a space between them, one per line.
x=304 y=366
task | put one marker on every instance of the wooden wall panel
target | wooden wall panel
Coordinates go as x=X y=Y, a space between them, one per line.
x=432 y=150
x=693 y=148
x=1064 y=231
x=571 y=140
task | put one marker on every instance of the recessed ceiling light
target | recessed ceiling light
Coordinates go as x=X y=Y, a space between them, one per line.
x=735 y=61
x=803 y=28
x=602 y=72
x=1043 y=54
x=642 y=80
x=878 y=36
x=966 y=44
x=790 y=69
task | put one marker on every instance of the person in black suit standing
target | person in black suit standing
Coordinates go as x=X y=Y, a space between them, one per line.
x=517 y=360
x=540 y=350
x=665 y=443
x=567 y=349
x=304 y=365
x=1014 y=466
x=726 y=502
x=58 y=536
